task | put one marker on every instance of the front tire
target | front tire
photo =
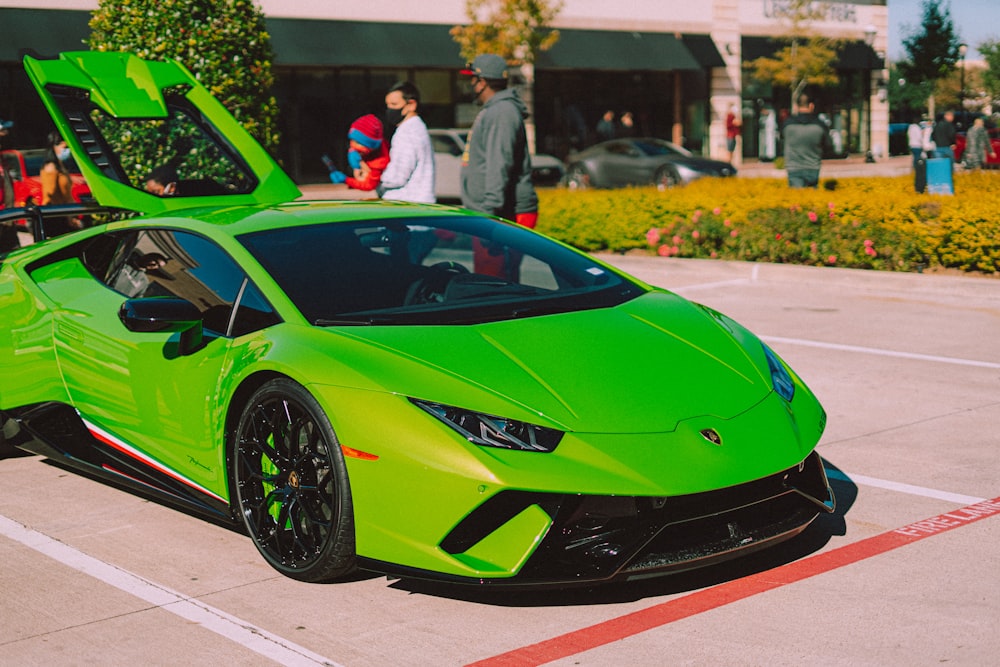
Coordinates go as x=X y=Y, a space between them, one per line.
x=291 y=484
x=577 y=178
x=666 y=178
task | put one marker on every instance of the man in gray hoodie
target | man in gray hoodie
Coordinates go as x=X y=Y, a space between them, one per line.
x=806 y=138
x=496 y=165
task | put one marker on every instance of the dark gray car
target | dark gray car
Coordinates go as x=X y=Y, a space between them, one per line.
x=640 y=161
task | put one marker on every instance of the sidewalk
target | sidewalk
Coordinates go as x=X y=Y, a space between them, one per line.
x=849 y=167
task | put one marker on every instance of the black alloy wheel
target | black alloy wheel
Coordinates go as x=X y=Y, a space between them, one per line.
x=291 y=484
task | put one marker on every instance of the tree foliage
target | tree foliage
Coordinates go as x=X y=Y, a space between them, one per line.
x=514 y=29
x=806 y=58
x=932 y=48
x=991 y=75
x=223 y=42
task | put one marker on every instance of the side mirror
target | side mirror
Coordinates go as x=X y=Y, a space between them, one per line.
x=164 y=314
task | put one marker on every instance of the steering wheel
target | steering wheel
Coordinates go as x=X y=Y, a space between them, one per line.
x=430 y=288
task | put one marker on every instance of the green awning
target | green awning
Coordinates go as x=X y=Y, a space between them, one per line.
x=46 y=32
x=318 y=43
x=703 y=48
x=619 y=51
x=362 y=44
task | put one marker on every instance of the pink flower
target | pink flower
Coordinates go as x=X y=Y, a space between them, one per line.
x=727 y=222
x=777 y=237
x=830 y=206
x=677 y=240
x=714 y=255
x=696 y=216
x=675 y=250
x=832 y=259
x=734 y=233
x=869 y=243
x=653 y=236
x=695 y=234
x=871 y=252
x=663 y=251
x=831 y=215
x=716 y=210
x=812 y=216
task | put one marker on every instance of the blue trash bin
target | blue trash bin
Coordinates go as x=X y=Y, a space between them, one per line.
x=939 y=181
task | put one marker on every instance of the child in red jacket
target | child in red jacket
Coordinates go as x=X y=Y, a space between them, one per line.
x=368 y=155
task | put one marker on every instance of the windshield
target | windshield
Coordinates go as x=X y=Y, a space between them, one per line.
x=448 y=270
x=658 y=147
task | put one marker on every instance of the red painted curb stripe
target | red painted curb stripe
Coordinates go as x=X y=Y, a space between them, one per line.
x=616 y=629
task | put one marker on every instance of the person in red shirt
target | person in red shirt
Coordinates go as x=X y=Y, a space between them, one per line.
x=368 y=155
x=734 y=126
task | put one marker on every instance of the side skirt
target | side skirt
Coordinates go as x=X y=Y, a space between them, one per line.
x=58 y=432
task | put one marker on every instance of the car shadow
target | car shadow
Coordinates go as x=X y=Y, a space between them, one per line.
x=810 y=541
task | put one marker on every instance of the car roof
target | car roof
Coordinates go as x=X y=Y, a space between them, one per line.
x=108 y=104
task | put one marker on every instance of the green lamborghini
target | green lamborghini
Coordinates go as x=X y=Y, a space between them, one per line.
x=409 y=389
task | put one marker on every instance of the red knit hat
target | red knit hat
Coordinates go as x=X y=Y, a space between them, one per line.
x=367 y=131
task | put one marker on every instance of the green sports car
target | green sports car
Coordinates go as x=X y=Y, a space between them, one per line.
x=408 y=389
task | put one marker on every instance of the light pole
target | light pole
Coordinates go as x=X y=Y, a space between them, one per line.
x=870 y=33
x=962 y=49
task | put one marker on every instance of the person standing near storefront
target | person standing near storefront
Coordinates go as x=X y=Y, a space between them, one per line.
x=977 y=146
x=734 y=127
x=410 y=174
x=915 y=140
x=943 y=136
x=805 y=137
x=496 y=165
x=57 y=185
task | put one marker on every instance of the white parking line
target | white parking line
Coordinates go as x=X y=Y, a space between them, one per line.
x=882 y=352
x=214 y=620
x=904 y=488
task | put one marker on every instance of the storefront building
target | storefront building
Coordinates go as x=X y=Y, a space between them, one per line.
x=678 y=67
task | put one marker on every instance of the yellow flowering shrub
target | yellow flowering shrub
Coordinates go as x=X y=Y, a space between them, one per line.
x=876 y=223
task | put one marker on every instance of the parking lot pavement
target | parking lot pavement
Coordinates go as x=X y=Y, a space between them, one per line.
x=904 y=572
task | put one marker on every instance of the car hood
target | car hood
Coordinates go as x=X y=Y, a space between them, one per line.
x=79 y=85
x=639 y=367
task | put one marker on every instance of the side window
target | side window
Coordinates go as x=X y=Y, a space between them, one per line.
x=162 y=262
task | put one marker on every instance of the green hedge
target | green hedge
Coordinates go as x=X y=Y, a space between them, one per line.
x=870 y=223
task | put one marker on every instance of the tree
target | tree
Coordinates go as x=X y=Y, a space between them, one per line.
x=932 y=50
x=223 y=42
x=514 y=29
x=806 y=58
x=991 y=75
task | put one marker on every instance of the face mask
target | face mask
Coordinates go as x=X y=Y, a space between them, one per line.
x=64 y=154
x=393 y=117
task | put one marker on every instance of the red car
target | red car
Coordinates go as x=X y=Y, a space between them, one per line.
x=24 y=168
x=992 y=162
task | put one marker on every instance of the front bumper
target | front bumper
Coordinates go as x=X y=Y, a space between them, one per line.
x=606 y=538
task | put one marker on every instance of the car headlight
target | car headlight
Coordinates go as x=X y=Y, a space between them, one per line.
x=780 y=378
x=492 y=431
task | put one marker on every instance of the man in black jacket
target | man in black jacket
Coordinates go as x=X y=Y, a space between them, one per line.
x=943 y=136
